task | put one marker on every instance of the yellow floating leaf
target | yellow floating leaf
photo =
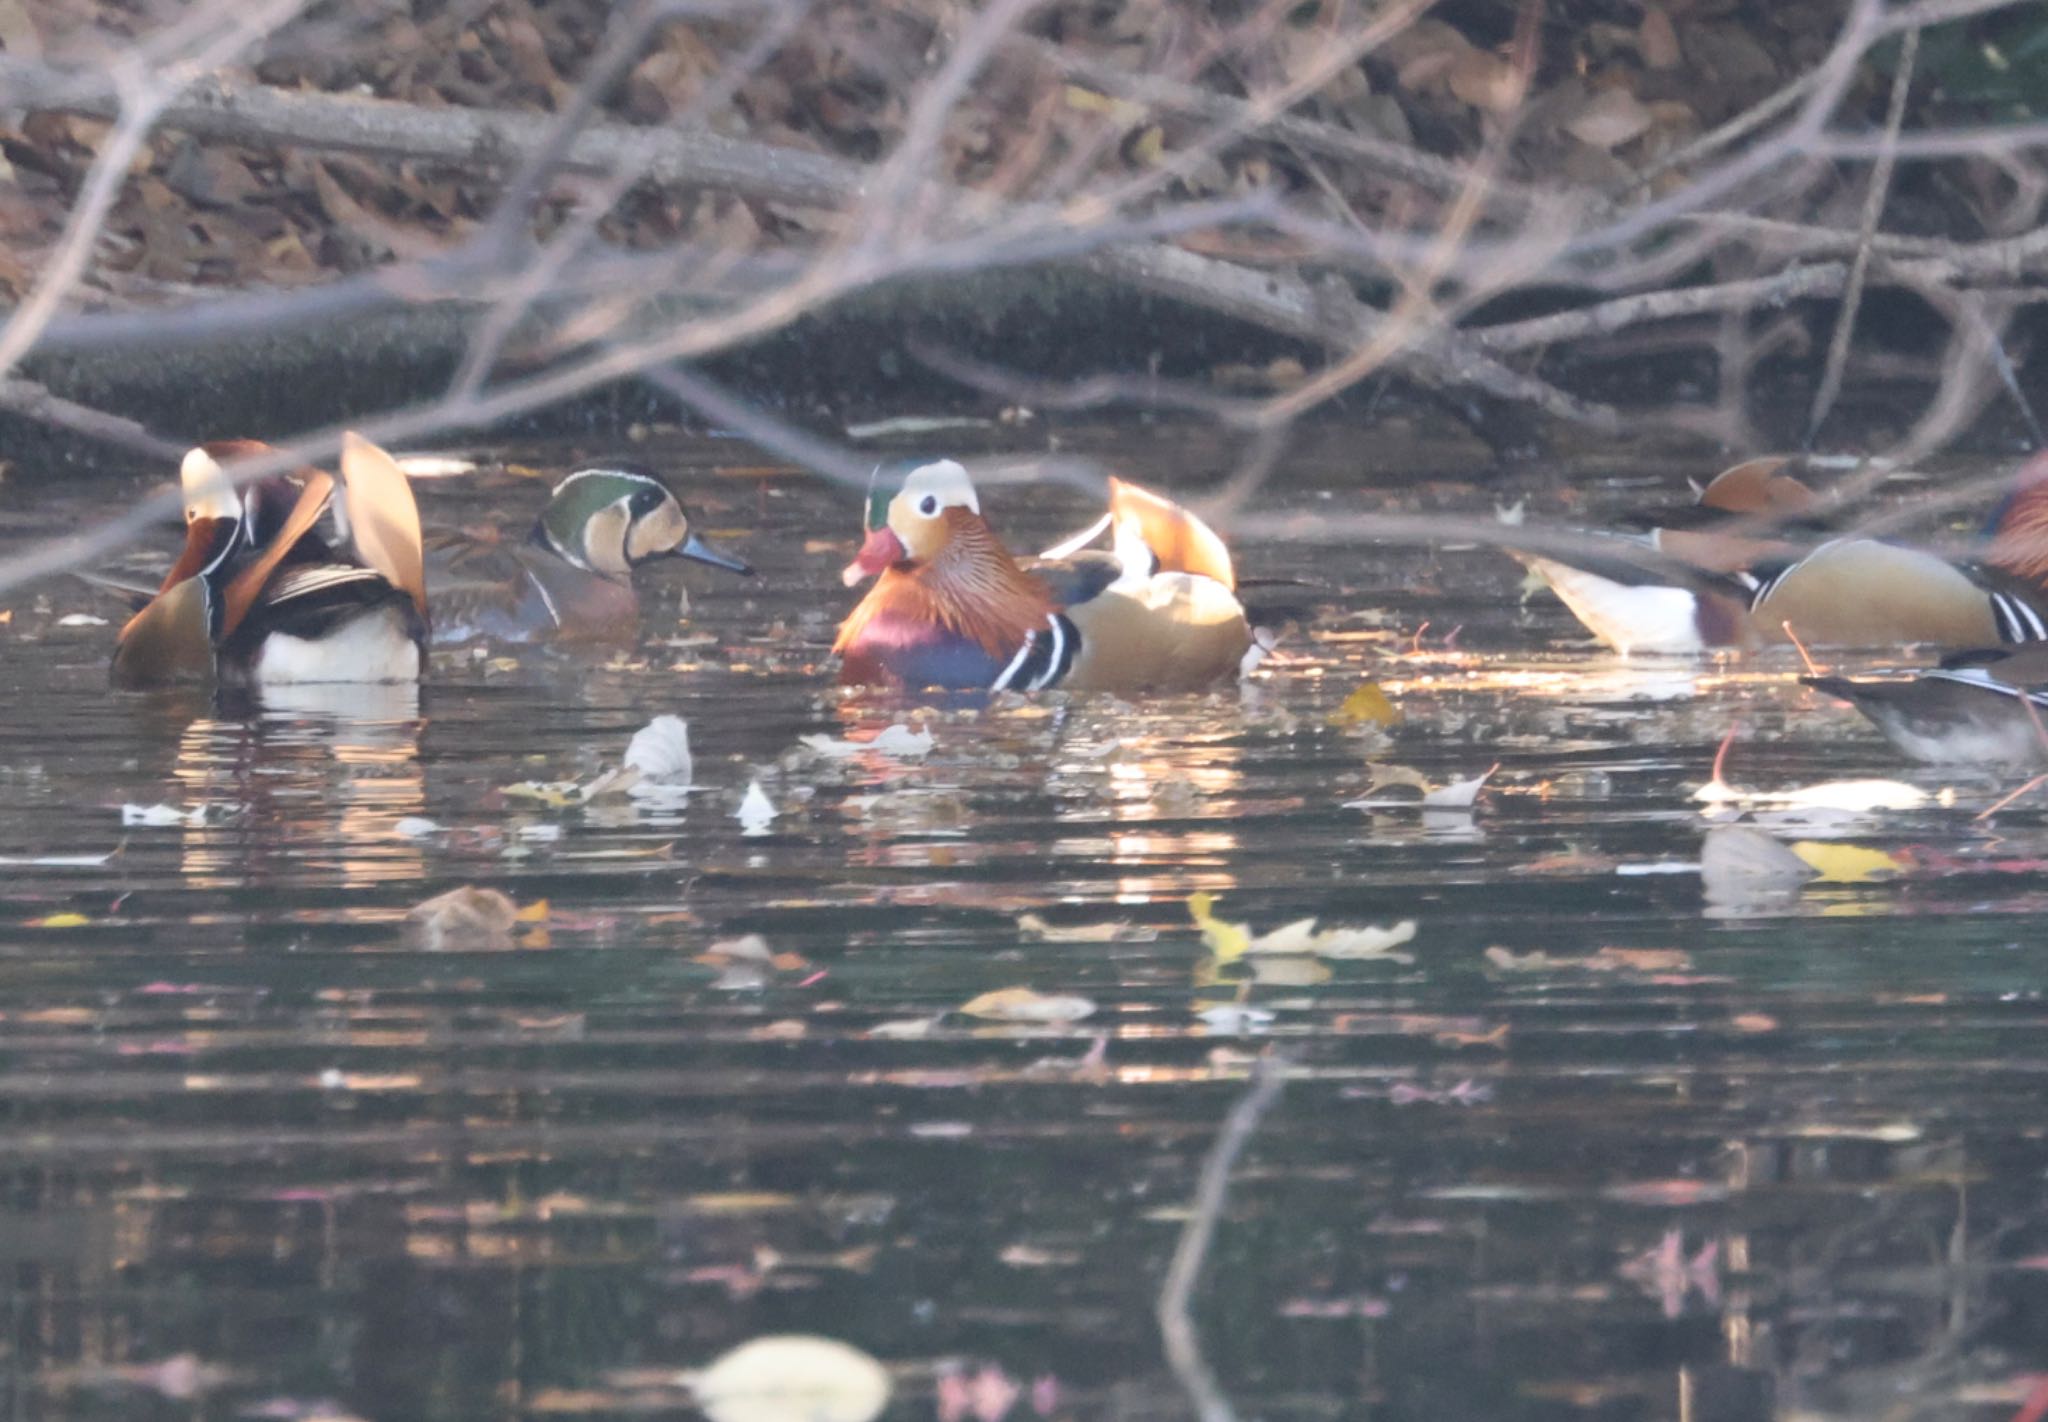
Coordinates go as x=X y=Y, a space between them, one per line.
x=557 y=794
x=1226 y=942
x=535 y=912
x=60 y=920
x=1150 y=146
x=1367 y=706
x=1847 y=863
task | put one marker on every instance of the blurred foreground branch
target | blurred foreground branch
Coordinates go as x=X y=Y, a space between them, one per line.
x=1176 y=1321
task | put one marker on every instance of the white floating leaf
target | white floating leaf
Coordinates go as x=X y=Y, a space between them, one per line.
x=57 y=861
x=1458 y=794
x=162 y=815
x=1022 y=1004
x=416 y=827
x=750 y=948
x=1301 y=938
x=81 y=619
x=660 y=750
x=904 y=1028
x=1856 y=796
x=897 y=740
x=756 y=811
x=1368 y=942
x=1235 y=1017
x=792 y=1377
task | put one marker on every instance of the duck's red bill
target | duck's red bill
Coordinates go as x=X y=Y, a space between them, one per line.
x=881 y=549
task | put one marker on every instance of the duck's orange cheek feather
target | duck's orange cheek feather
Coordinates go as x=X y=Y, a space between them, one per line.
x=882 y=549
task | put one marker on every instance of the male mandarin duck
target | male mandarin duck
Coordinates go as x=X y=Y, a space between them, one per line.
x=1982 y=707
x=1692 y=590
x=257 y=597
x=572 y=578
x=951 y=608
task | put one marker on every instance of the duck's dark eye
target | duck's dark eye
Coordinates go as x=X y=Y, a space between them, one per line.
x=929 y=505
x=646 y=501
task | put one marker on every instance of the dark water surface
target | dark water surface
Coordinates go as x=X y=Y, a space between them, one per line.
x=264 y=1154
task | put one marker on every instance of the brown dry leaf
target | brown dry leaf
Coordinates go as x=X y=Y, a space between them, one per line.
x=1640 y=960
x=1609 y=119
x=1424 y=53
x=1753 y=1022
x=395 y=238
x=1486 y=81
x=1657 y=40
x=1571 y=862
x=467 y=917
x=1498 y=1037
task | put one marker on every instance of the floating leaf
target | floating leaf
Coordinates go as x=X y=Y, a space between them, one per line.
x=792 y=1378
x=897 y=740
x=81 y=619
x=1226 y=942
x=1458 y=794
x=1847 y=863
x=1302 y=937
x=660 y=750
x=60 y=920
x=415 y=827
x=1022 y=1004
x=1036 y=927
x=58 y=861
x=555 y=794
x=159 y=815
x=1236 y=1017
x=756 y=811
x=464 y=918
x=1367 y=706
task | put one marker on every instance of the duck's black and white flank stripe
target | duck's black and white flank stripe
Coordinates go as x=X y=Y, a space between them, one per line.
x=1044 y=658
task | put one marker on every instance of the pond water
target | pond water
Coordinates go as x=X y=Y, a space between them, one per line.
x=265 y=1153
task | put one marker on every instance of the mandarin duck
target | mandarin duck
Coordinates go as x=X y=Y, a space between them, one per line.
x=572 y=578
x=952 y=608
x=1981 y=707
x=1680 y=582
x=258 y=597
x=1694 y=589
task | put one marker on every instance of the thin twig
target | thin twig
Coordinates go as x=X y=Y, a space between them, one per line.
x=1873 y=209
x=1176 y=1323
